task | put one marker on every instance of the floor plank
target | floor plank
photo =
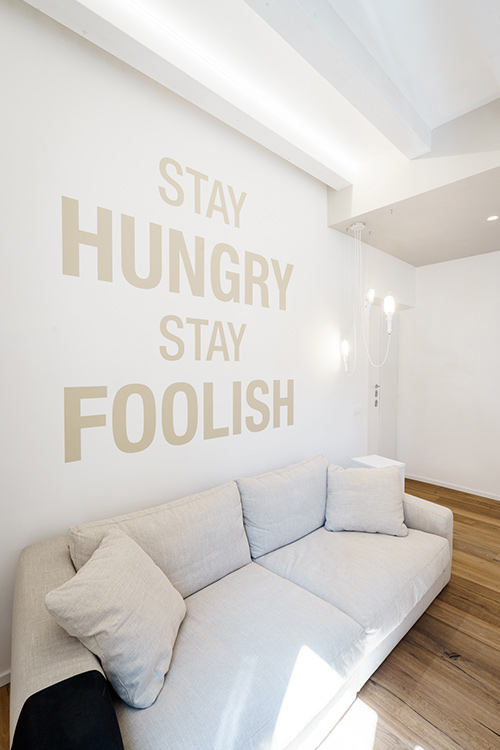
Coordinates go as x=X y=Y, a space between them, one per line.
x=4 y=717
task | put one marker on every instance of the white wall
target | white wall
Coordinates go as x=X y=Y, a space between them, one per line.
x=449 y=395
x=78 y=123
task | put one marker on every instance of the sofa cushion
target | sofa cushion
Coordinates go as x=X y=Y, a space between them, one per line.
x=256 y=659
x=194 y=541
x=374 y=578
x=368 y=500
x=125 y=610
x=282 y=506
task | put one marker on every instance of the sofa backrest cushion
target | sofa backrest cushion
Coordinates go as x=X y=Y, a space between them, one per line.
x=284 y=505
x=195 y=540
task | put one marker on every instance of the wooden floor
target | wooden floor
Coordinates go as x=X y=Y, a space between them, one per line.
x=4 y=717
x=440 y=687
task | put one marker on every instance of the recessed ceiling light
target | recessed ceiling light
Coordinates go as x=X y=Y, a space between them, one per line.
x=492 y=218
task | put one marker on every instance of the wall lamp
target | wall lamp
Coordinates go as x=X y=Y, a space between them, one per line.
x=369 y=300
x=344 y=348
x=389 y=308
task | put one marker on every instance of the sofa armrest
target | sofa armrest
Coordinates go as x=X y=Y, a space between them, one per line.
x=42 y=652
x=426 y=516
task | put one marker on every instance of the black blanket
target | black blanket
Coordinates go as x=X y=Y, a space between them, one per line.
x=74 y=714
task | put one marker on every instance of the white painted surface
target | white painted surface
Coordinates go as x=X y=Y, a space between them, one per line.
x=79 y=123
x=449 y=405
x=414 y=208
x=374 y=338
x=341 y=99
x=445 y=223
x=446 y=83
x=375 y=461
x=383 y=384
x=386 y=275
x=389 y=275
x=366 y=52
x=206 y=53
x=317 y=31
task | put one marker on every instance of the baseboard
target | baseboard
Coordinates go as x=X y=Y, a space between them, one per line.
x=4 y=678
x=468 y=490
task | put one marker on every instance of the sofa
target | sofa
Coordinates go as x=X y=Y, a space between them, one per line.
x=245 y=617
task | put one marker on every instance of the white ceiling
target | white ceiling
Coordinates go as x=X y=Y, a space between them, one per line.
x=443 y=55
x=446 y=223
x=328 y=85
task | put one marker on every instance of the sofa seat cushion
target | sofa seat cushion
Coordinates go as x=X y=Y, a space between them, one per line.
x=255 y=659
x=374 y=578
x=195 y=540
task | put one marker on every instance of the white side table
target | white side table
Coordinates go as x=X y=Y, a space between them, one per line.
x=378 y=462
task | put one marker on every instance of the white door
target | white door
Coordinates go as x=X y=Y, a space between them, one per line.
x=382 y=385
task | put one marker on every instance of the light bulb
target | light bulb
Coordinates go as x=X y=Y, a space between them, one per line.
x=389 y=305
x=369 y=299
x=344 y=348
x=389 y=308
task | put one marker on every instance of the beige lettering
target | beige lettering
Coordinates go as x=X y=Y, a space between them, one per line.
x=195 y=275
x=74 y=421
x=237 y=408
x=209 y=431
x=217 y=191
x=233 y=294
x=259 y=406
x=282 y=281
x=171 y=337
x=73 y=237
x=197 y=323
x=237 y=339
x=257 y=279
x=128 y=254
x=217 y=332
x=179 y=199
x=167 y=413
x=198 y=177
x=279 y=401
x=120 y=402
x=237 y=205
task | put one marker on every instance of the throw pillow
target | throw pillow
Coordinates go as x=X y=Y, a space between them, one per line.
x=124 y=609
x=365 y=500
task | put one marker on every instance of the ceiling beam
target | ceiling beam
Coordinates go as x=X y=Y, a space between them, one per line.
x=484 y=17
x=147 y=44
x=317 y=32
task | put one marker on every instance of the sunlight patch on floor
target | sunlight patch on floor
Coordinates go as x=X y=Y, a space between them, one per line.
x=355 y=731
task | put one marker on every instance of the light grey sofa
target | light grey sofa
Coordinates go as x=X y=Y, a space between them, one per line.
x=284 y=619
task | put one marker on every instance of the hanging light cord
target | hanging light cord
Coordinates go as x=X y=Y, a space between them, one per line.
x=373 y=364
x=358 y=271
